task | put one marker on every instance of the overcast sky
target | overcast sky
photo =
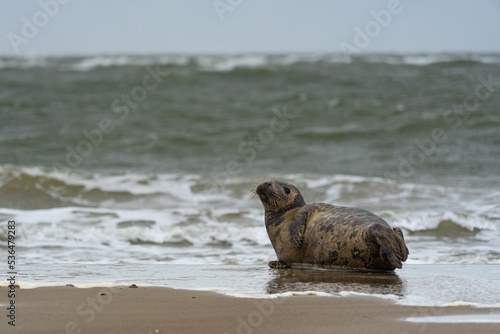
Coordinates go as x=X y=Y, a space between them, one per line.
x=62 y=27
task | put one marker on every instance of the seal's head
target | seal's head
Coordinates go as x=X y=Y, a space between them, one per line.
x=277 y=195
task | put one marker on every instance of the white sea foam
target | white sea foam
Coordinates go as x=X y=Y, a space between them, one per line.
x=459 y=319
x=460 y=303
x=228 y=63
x=361 y=294
x=91 y=63
x=303 y=293
x=183 y=218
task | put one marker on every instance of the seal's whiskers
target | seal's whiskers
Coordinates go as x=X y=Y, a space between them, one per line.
x=253 y=193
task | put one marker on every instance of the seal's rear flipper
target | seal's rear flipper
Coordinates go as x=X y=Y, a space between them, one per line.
x=402 y=245
x=392 y=244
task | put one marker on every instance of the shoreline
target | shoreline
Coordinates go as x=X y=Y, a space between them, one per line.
x=165 y=310
x=415 y=285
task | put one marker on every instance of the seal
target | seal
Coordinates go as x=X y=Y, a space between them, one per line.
x=327 y=236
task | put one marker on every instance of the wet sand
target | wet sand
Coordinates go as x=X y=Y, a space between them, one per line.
x=420 y=285
x=164 y=310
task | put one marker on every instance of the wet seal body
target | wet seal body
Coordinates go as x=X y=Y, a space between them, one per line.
x=327 y=236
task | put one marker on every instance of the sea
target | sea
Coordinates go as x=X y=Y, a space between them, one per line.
x=151 y=159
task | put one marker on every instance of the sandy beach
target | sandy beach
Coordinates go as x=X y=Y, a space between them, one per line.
x=164 y=310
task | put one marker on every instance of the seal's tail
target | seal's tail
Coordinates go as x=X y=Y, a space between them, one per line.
x=392 y=244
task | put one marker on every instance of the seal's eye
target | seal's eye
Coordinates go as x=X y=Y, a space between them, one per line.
x=287 y=191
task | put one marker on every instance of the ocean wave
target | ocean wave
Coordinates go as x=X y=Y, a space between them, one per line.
x=180 y=218
x=89 y=63
x=79 y=187
x=230 y=62
x=50 y=187
x=428 y=59
x=445 y=223
x=146 y=235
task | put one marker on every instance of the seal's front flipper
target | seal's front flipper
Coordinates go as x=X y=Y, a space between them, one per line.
x=391 y=242
x=277 y=265
x=298 y=227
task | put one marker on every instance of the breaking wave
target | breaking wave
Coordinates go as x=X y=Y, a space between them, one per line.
x=133 y=217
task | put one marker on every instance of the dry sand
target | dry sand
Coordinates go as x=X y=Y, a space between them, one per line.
x=163 y=310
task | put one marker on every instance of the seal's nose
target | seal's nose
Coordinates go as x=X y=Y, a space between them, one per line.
x=262 y=189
